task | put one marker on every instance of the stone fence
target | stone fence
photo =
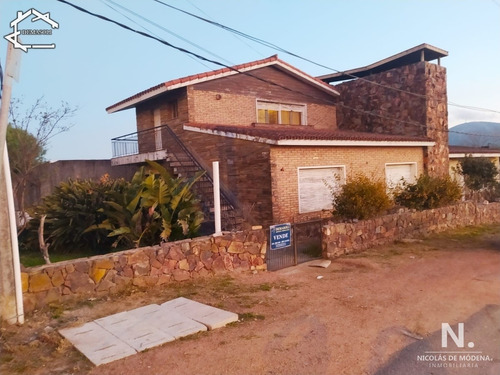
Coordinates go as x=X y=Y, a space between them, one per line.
x=344 y=238
x=240 y=251
x=143 y=267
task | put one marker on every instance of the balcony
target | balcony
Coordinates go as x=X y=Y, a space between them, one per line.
x=140 y=146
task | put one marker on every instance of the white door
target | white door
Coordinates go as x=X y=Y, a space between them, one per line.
x=157 y=124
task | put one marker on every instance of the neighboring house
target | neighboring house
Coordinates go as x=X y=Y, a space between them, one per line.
x=457 y=153
x=275 y=133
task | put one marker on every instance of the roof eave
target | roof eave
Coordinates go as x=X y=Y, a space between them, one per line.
x=243 y=68
x=460 y=155
x=432 y=54
x=309 y=142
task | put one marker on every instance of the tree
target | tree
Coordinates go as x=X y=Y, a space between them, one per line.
x=478 y=173
x=28 y=135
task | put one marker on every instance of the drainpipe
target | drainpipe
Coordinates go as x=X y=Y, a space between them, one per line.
x=217 y=216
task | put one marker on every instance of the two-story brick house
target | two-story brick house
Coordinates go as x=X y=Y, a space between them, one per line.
x=274 y=131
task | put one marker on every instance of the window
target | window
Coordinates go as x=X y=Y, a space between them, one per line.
x=173 y=109
x=396 y=173
x=280 y=113
x=315 y=187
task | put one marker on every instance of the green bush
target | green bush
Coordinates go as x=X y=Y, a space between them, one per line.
x=428 y=192
x=101 y=215
x=155 y=207
x=70 y=210
x=361 y=198
x=478 y=173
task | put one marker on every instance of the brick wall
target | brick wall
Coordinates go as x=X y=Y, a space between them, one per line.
x=230 y=109
x=286 y=160
x=368 y=107
x=244 y=171
x=232 y=100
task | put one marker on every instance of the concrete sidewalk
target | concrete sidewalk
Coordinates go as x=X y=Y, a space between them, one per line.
x=121 y=335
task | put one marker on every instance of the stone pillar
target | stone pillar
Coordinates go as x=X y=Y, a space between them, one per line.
x=436 y=157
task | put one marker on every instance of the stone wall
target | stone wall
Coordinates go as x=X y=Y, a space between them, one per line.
x=346 y=238
x=143 y=267
x=409 y=100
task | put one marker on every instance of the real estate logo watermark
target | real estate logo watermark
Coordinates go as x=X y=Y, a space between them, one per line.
x=28 y=33
x=454 y=357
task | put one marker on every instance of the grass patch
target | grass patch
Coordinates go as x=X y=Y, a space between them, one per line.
x=469 y=232
x=56 y=311
x=34 y=258
x=481 y=236
x=250 y=316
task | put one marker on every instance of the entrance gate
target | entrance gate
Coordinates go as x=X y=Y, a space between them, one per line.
x=305 y=246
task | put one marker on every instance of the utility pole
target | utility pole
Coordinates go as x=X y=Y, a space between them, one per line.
x=11 y=299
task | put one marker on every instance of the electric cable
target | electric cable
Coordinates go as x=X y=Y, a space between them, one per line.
x=278 y=48
x=414 y=123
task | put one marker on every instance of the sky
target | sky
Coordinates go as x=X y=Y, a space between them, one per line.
x=96 y=64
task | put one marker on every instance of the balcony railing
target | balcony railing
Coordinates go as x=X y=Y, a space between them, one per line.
x=125 y=145
x=149 y=140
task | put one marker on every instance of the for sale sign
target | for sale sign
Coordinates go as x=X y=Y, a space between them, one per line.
x=281 y=236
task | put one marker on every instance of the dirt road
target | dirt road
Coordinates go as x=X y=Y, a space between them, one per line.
x=350 y=318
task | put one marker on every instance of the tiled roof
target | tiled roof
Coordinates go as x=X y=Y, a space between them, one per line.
x=277 y=133
x=473 y=150
x=215 y=74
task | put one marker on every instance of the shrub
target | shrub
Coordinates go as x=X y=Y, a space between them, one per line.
x=361 y=198
x=71 y=209
x=101 y=215
x=428 y=192
x=480 y=178
x=155 y=207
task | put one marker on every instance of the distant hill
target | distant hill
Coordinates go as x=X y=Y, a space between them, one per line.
x=489 y=134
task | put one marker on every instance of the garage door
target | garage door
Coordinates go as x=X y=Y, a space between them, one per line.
x=395 y=173
x=315 y=184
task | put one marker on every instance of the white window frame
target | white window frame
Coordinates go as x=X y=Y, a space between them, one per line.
x=414 y=171
x=278 y=106
x=329 y=205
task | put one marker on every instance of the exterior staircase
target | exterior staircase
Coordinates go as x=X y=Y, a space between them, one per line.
x=161 y=144
x=181 y=163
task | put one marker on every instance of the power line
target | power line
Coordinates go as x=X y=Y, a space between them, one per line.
x=232 y=68
x=164 y=29
x=241 y=40
x=278 y=48
x=414 y=123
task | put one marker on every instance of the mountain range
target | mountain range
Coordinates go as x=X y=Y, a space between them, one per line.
x=475 y=134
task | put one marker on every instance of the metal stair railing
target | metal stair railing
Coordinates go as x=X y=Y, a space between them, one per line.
x=225 y=200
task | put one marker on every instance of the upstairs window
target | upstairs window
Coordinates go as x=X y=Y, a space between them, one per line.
x=173 y=109
x=281 y=113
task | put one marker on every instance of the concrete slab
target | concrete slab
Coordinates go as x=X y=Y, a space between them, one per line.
x=322 y=263
x=120 y=335
x=97 y=344
x=169 y=321
x=210 y=316
x=137 y=332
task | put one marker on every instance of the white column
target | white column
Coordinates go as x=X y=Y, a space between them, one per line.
x=217 y=217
